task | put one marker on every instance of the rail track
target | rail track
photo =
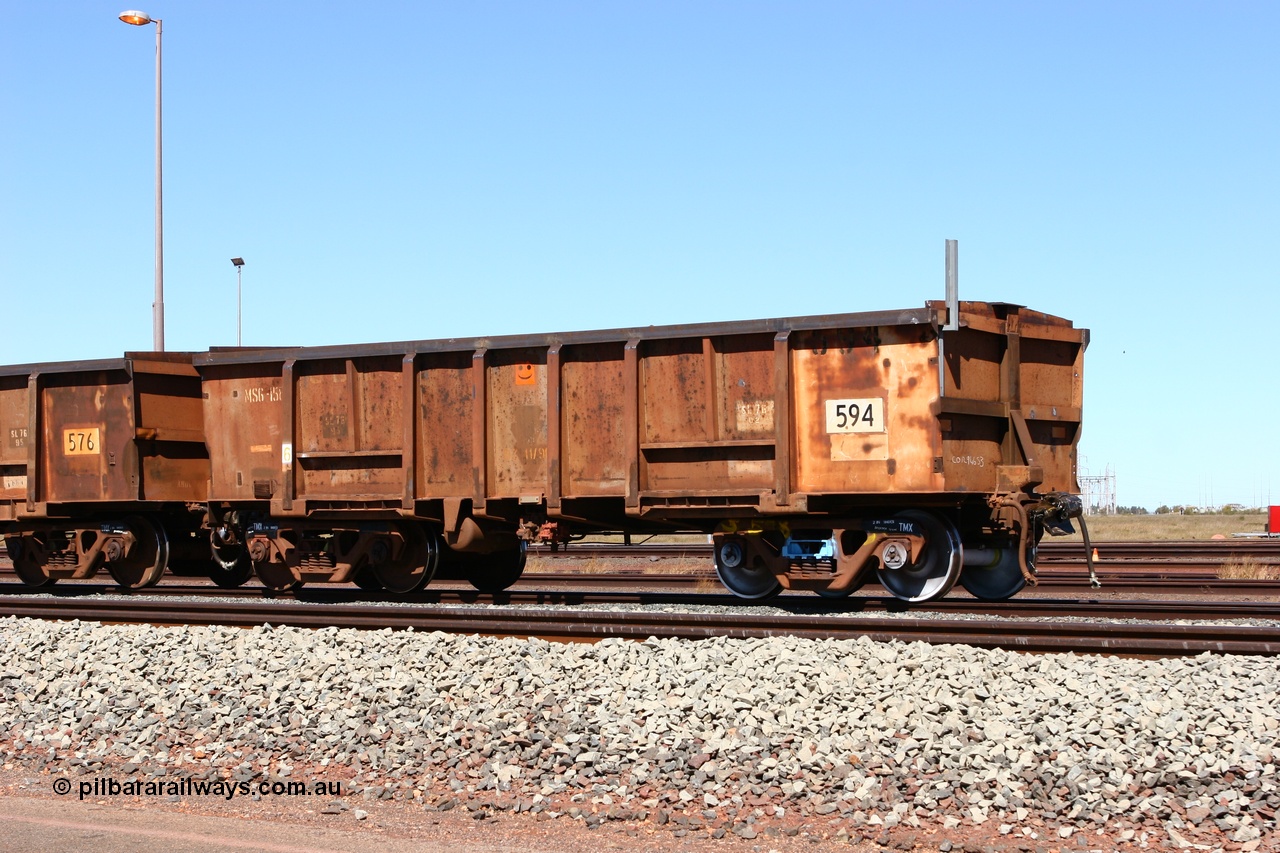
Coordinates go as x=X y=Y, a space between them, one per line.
x=1051 y=552
x=1056 y=579
x=1125 y=568
x=1146 y=627
x=1126 y=583
x=566 y=604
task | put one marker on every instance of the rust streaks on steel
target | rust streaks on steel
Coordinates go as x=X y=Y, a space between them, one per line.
x=1042 y=635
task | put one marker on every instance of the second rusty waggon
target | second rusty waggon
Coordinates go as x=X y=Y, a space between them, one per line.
x=815 y=450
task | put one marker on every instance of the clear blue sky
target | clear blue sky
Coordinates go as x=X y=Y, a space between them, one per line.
x=421 y=170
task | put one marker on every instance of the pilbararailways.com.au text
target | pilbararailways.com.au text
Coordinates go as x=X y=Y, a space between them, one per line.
x=228 y=790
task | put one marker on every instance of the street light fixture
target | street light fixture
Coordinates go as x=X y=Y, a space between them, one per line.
x=239 y=263
x=139 y=19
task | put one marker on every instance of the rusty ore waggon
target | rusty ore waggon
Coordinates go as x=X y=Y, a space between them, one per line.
x=103 y=464
x=816 y=451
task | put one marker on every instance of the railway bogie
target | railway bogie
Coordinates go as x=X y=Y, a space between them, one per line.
x=399 y=556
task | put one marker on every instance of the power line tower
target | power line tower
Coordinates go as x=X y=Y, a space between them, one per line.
x=1098 y=493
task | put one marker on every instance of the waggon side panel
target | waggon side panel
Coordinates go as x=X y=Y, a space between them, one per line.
x=516 y=422
x=169 y=428
x=973 y=415
x=87 y=434
x=707 y=414
x=244 y=430
x=349 y=438
x=841 y=374
x=15 y=436
x=1012 y=394
x=594 y=453
x=1052 y=382
x=446 y=403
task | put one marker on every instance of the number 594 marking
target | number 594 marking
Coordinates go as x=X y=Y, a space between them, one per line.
x=862 y=415
x=81 y=441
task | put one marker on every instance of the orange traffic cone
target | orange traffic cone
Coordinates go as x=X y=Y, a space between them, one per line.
x=1095 y=555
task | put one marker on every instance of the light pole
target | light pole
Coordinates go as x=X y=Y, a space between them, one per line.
x=239 y=263
x=139 y=19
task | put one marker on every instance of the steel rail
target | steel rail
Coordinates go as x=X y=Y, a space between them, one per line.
x=1052 y=550
x=578 y=623
x=1115 y=557
x=640 y=589
x=1129 y=582
x=1157 y=582
x=1166 y=548
x=1141 y=555
x=1043 y=567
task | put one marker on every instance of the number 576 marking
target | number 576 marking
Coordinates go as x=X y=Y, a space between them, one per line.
x=861 y=415
x=81 y=441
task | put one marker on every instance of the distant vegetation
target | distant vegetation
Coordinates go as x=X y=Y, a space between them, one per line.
x=1146 y=526
x=1226 y=509
x=1180 y=509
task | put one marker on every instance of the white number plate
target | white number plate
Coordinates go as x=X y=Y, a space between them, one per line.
x=864 y=415
x=82 y=441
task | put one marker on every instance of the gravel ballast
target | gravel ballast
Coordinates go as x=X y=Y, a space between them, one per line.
x=723 y=733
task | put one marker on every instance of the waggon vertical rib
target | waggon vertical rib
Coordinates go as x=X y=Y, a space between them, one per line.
x=287 y=436
x=713 y=392
x=782 y=417
x=409 y=452
x=479 y=422
x=553 y=427
x=35 y=440
x=631 y=419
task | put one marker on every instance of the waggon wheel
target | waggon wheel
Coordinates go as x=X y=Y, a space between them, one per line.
x=26 y=554
x=416 y=564
x=230 y=566
x=992 y=574
x=145 y=562
x=739 y=576
x=276 y=576
x=367 y=580
x=499 y=570
x=936 y=570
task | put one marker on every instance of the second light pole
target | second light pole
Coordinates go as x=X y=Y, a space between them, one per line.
x=239 y=262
